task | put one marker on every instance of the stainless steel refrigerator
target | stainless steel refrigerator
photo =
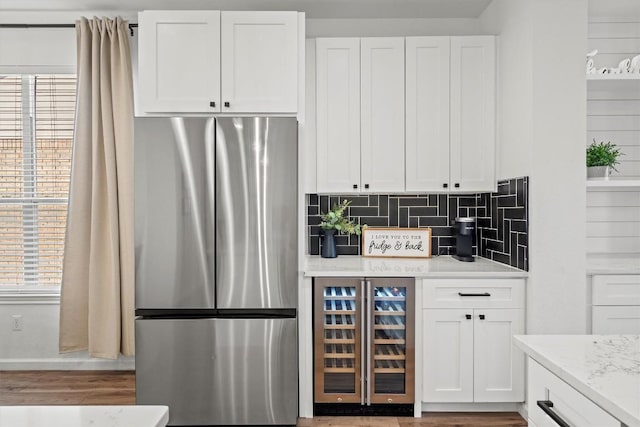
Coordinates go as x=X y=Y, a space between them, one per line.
x=216 y=269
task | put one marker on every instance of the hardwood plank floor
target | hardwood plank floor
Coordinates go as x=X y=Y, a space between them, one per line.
x=118 y=388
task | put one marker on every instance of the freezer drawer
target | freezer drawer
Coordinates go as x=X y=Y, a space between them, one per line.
x=219 y=371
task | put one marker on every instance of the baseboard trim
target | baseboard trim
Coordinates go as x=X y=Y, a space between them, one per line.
x=471 y=407
x=67 y=364
x=522 y=409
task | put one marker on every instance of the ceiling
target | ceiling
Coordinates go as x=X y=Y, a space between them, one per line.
x=313 y=8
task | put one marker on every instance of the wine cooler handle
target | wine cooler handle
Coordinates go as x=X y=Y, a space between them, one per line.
x=369 y=340
x=363 y=361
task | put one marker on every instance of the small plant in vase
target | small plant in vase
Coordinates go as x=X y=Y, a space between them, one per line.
x=334 y=222
x=601 y=158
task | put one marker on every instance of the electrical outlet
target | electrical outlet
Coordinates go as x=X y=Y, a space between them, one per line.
x=16 y=322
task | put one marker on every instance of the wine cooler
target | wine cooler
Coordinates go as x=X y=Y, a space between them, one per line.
x=364 y=351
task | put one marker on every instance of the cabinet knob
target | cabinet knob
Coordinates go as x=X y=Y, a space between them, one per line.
x=457 y=185
x=389 y=400
x=366 y=186
x=481 y=317
x=212 y=104
x=339 y=399
x=468 y=316
x=445 y=185
x=355 y=186
x=227 y=104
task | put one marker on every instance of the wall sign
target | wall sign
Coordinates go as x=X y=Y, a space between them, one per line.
x=396 y=242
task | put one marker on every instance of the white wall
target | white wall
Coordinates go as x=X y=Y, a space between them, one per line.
x=613 y=114
x=391 y=27
x=36 y=346
x=542 y=108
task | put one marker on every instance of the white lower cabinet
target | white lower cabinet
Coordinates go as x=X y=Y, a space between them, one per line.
x=616 y=304
x=468 y=355
x=552 y=402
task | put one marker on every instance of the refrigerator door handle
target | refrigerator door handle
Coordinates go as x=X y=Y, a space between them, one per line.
x=369 y=327
x=363 y=360
x=210 y=170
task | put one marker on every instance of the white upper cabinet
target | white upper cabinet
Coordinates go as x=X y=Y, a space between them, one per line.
x=382 y=114
x=427 y=116
x=473 y=113
x=259 y=61
x=338 y=115
x=179 y=61
x=208 y=61
x=450 y=90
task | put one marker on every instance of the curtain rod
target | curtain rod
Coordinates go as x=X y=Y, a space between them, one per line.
x=131 y=26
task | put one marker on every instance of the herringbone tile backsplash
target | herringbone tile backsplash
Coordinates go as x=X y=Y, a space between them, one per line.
x=501 y=219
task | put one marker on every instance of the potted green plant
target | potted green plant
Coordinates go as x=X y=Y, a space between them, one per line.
x=334 y=222
x=601 y=158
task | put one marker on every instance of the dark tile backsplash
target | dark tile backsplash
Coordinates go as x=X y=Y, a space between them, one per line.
x=503 y=230
x=501 y=218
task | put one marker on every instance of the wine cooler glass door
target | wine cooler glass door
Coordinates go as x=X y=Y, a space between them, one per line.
x=391 y=331
x=338 y=307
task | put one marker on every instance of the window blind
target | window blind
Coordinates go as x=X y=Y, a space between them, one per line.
x=36 y=133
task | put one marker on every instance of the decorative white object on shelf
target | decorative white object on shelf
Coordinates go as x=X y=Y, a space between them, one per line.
x=635 y=64
x=623 y=66
x=590 y=67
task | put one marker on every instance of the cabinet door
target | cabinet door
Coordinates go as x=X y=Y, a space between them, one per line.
x=498 y=365
x=382 y=104
x=338 y=115
x=619 y=319
x=179 y=61
x=473 y=87
x=260 y=62
x=390 y=326
x=447 y=355
x=338 y=340
x=427 y=117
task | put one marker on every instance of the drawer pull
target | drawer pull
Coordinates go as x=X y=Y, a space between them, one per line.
x=546 y=406
x=484 y=294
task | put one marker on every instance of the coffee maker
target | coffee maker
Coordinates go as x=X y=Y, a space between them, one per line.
x=464 y=228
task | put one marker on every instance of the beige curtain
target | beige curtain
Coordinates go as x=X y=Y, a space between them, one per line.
x=96 y=307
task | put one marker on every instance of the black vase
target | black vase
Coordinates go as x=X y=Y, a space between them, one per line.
x=329 y=244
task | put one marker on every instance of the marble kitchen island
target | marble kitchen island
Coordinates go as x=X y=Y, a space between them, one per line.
x=605 y=369
x=83 y=416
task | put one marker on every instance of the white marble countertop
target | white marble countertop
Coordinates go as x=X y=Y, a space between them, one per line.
x=441 y=266
x=604 y=368
x=84 y=416
x=613 y=264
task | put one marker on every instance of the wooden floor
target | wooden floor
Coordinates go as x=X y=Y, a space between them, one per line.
x=118 y=388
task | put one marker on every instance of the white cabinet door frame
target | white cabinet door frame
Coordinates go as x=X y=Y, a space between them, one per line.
x=260 y=62
x=427 y=113
x=338 y=115
x=179 y=61
x=447 y=354
x=498 y=364
x=473 y=113
x=382 y=114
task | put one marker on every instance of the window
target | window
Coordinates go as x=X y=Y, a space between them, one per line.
x=36 y=134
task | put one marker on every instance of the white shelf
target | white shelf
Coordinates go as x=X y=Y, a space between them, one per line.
x=616 y=82
x=629 y=183
x=626 y=76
